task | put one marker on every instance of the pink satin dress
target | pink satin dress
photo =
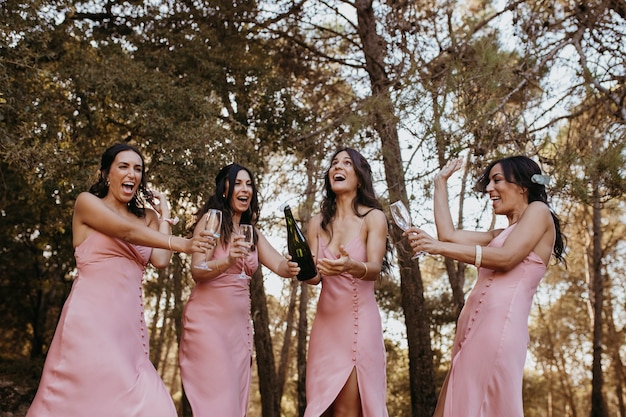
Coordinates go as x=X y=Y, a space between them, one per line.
x=98 y=363
x=485 y=378
x=217 y=341
x=346 y=334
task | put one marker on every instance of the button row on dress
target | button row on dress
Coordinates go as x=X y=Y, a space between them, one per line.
x=248 y=332
x=355 y=317
x=476 y=311
x=142 y=327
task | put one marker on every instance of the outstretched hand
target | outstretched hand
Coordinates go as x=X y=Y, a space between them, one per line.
x=450 y=168
x=327 y=266
x=200 y=243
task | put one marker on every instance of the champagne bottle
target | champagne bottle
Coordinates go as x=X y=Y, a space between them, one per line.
x=299 y=248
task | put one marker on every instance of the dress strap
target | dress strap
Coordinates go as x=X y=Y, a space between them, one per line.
x=364 y=216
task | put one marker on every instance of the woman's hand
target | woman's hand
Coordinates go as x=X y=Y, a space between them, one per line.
x=239 y=248
x=292 y=267
x=327 y=266
x=201 y=243
x=450 y=168
x=421 y=241
x=161 y=205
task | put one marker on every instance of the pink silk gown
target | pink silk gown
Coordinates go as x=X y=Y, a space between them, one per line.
x=216 y=346
x=98 y=364
x=485 y=379
x=347 y=333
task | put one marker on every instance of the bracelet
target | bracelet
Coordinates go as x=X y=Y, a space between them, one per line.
x=479 y=256
x=172 y=222
x=169 y=243
x=365 y=273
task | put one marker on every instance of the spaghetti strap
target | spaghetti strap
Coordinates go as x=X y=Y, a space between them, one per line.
x=369 y=211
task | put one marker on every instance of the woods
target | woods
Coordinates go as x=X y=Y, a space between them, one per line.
x=277 y=86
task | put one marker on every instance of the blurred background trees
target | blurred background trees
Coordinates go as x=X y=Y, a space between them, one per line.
x=277 y=86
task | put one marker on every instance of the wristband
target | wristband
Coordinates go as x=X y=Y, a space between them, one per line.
x=365 y=273
x=169 y=243
x=479 y=256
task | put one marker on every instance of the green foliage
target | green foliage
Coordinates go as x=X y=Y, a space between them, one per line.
x=196 y=85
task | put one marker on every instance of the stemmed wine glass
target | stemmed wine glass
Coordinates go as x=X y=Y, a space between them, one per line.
x=402 y=217
x=212 y=225
x=247 y=231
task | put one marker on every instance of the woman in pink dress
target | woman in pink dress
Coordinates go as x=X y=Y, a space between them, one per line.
x=485 y=377
x=216 y=346
x=345 y=373
x=98 y=363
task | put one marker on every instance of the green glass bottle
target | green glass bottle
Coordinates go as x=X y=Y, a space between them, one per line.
x=299 y=248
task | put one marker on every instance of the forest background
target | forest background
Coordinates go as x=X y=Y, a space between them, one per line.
x=277 y=86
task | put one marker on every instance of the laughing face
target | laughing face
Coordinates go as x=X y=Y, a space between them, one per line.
x=505 y=196
x=242 y=192
x=342 y=175
x=125 y=175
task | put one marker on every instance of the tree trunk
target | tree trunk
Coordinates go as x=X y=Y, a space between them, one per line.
x=304 y=212
x=177 y=317
x=598 y=406
x=615 y=342
x=270 y=401
x=456 y=277
x=421 y=373
x=283 y=365
x=303 y=329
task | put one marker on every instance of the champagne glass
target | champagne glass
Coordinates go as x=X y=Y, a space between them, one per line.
x=247 y=231
x=212 y=225
x=402 y=217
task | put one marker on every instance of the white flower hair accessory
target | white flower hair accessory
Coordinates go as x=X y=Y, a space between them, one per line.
x=540 y=179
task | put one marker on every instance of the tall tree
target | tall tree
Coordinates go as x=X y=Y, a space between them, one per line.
x=384 y=122
x=602 y=140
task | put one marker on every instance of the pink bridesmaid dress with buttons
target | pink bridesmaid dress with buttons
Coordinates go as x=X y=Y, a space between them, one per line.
x=346 y=334
x=485 y=378
x=216 y=346
x=98 y=363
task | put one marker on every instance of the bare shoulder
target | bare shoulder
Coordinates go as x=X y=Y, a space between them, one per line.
x=376 y=219
x=85 y=198
x=315 y=221
x=86 y=203
x=537 y=212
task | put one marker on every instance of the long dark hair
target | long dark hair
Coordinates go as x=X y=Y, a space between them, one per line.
x=519 y=170
x=365 y=196
x=101 y=188
x=224 y=187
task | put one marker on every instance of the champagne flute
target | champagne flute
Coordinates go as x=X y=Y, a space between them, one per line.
x=247 y=231
x=212 y=225
x=402 y=217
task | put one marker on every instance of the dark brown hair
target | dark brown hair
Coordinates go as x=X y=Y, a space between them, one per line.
x=519 y=170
